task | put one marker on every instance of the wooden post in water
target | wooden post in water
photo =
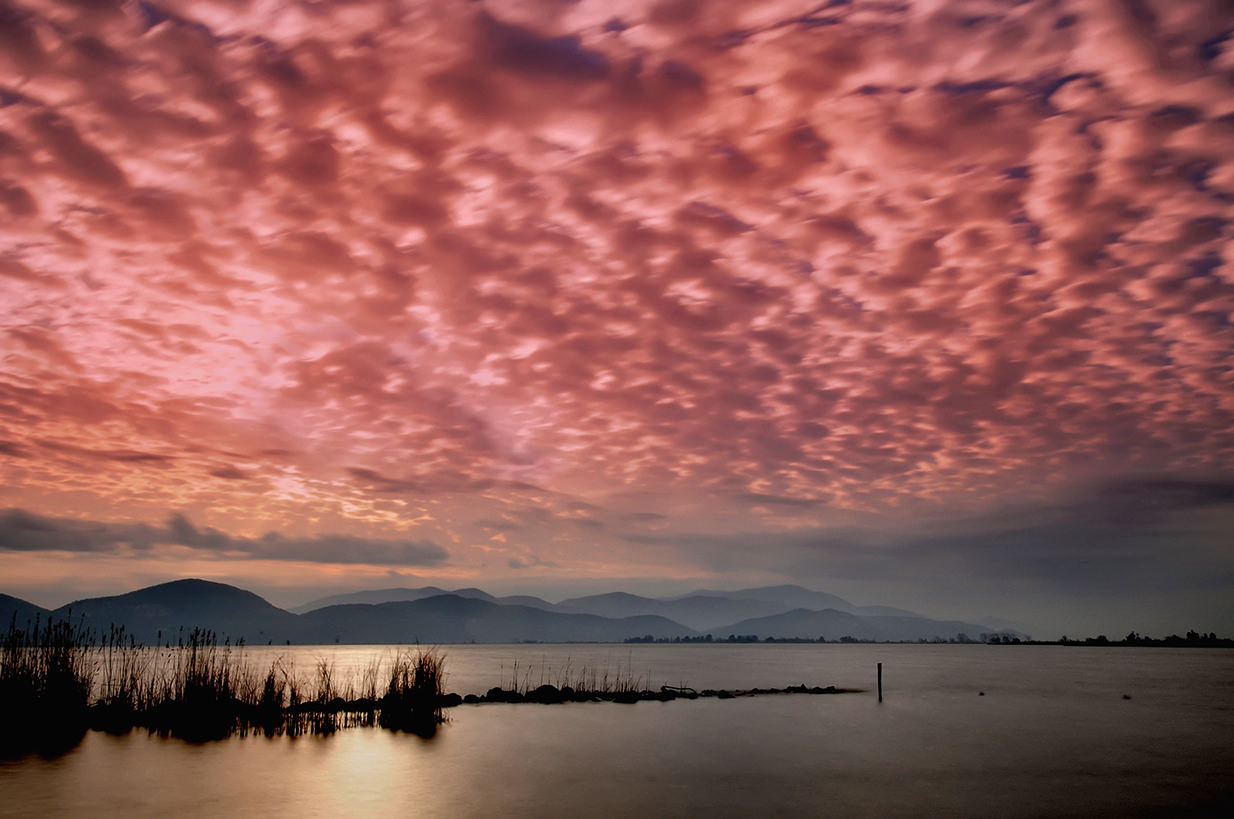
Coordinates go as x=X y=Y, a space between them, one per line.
x=880 y=682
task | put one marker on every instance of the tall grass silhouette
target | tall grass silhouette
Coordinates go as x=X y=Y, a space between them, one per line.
x=412 y=701
x=58 y=679
x=46 y=680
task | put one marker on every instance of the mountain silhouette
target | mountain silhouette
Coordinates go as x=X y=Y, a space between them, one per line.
x=166 y=613
x=451 y=618
x=832 y=624
x=406 y=595
x=699 y=611
x=157 y=614
x=15 y=611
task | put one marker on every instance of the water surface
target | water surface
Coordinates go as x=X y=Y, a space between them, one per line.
x=1053 y=735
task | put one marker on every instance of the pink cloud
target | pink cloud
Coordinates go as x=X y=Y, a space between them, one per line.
x=446 y=258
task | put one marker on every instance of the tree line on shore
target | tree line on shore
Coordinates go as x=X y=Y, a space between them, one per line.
x=1193 y=639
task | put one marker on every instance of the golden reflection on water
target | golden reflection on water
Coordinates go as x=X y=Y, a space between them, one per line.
x=1053 y=735
x=366 y=774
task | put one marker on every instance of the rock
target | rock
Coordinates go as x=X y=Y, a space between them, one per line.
x=547 y=694
x=501 y=695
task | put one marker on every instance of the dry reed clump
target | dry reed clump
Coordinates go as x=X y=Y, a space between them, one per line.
x=45 y=685
x=413 y=698
x=200 y=691
x=567 y=683
x=57 y=680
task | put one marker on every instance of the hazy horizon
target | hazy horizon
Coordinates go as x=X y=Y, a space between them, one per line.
x=1046 y=628
x=920 y=304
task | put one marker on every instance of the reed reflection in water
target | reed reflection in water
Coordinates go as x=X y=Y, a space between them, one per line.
x=1053 y=736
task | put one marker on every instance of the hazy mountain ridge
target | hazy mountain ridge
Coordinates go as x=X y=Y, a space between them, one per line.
x=407 y=595
x=163 y=613
x=451 y=618
x=14 y=610
x=701 y=610
x=697 y=611
x=166 y=612
x=790 y=597
x=157 y=613
x=832 y=624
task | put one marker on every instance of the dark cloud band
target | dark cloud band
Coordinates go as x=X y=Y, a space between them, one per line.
x=23 y=531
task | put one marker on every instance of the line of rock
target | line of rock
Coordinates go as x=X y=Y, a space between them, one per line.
x=551 y=694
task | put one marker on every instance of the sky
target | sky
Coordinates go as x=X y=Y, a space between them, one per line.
x=923 y=303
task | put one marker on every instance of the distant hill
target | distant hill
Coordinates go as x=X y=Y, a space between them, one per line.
x=369 y=597
x=377 y=596
x=15 y=611
x=451 y=618
x=524 y=600
x=169 y=611
x=832 y=624
x=787 y=596
x=699 y=611
x=790 y=597
x=160 y=612
x=888 y=611
x=1003 y=624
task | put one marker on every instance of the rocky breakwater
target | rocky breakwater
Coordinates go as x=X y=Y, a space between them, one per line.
x=552 y=695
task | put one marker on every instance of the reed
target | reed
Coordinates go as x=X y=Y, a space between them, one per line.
x=200 y=691
x=46 y=679
x=270 y=713
x=57 y=680
x=412 y=701
x=593 y=680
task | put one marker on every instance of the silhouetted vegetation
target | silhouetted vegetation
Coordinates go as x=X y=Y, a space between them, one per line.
x=567 y=684
x=960 y=638
x=548 y=694
x=45 y=685
x=413 y=700
x=1193 y=639
x=57 y=680
x=547 y=685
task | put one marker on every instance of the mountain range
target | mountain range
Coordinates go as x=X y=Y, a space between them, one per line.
x=164 y=613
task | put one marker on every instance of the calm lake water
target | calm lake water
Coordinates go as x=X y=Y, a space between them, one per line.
x=1053 y=736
